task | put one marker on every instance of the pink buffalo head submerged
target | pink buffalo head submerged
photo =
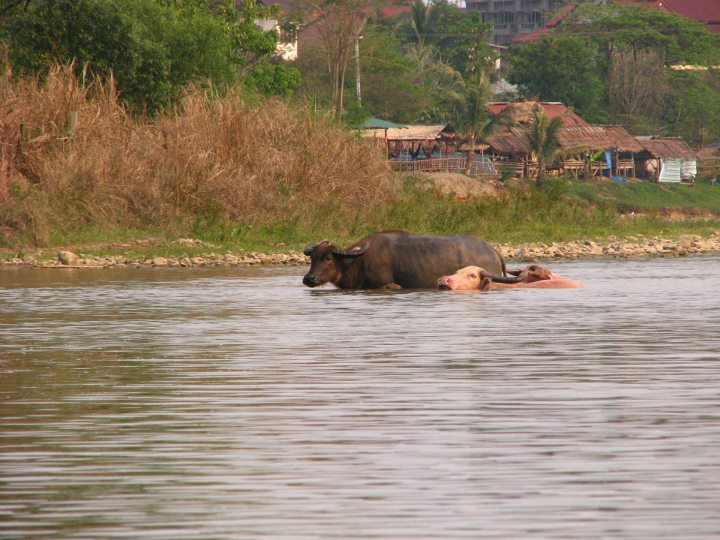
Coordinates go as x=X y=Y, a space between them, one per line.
x=474 y=278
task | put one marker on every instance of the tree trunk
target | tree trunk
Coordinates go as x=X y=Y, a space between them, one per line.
x=541 y=171
x=471 y=154
x=342 y=86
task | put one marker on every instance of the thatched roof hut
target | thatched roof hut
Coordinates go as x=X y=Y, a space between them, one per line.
x=596 y=138
x=668 y=159
x=514 y=141
x=666 y=148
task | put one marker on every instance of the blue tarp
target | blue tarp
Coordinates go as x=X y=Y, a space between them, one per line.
x=608 y=172
x=608 y=160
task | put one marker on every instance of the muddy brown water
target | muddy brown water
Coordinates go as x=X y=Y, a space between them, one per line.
x=236 y=403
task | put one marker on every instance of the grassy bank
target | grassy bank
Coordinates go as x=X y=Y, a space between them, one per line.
x=265 y=177
x=552 y=214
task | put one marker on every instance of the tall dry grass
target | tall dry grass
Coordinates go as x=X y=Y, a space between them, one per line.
x=210 y=155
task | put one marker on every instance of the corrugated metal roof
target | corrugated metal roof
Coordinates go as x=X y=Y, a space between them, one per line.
x=379 y=123
x=414 y=133
x=666 y=147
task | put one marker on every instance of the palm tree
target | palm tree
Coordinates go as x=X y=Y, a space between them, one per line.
x=472 y=116
x=475 y=116
x=543 y=141
x=422 y=19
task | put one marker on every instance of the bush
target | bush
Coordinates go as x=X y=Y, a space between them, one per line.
x=210 y=156
x=153 y=49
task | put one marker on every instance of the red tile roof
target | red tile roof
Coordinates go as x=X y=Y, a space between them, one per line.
x=552 y=23
x=522 y=111
x=707 y=11
x=391 y=11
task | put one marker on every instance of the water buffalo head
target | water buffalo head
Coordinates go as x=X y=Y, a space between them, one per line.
x=328 y=262
x=474 y=278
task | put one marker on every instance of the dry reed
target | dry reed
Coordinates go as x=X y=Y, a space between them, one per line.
x=243 y=163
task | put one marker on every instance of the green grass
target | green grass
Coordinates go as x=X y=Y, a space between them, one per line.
x=645 y=196
x=560 y=211
x=554 y=213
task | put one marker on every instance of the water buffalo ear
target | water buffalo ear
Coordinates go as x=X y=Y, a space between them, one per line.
x=352 y=252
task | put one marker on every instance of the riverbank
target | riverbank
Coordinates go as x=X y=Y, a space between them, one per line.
x=208 y=255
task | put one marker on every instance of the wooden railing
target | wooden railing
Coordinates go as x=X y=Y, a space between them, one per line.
x=444 y=165
x=574 y=167
x=625 y=167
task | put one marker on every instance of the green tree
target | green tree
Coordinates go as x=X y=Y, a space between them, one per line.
x=393 y=81
x=460 y=37
x=94 y=32
x=443 y=85
x=152 y=47
x=390 y=79
x=471 y=116
x=422 y=20
x=677 y=39
x=562 y=68
x=274 y=79
x=471 y=112
x=338 y=24
x=543 y=141
x=694 y=113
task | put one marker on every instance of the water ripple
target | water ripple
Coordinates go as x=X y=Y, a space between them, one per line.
x=238 y=404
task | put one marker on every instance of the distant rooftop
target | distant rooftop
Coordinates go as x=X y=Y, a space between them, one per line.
x=704 y=11
x=522 y=111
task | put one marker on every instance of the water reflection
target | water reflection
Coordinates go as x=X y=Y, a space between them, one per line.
x=239 y=404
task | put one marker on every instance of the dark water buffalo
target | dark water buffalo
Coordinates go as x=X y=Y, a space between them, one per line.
x=398 y=260
x=533 y=277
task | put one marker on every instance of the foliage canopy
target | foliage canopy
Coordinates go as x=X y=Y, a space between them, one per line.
x=152 y=47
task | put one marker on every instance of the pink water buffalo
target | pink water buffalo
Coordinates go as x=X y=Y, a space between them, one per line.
x=533 y=277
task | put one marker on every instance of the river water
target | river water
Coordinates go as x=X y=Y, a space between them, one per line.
x=236 y=403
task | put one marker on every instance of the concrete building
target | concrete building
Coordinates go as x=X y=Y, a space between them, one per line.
x=512 y=18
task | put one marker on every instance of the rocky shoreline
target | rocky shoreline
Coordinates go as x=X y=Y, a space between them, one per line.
x=630 y=247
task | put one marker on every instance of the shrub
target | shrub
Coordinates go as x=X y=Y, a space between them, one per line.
x=210 y=155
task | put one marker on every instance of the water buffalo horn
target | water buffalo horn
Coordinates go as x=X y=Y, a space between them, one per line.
x=308 y=250
x=506 y=279
x=352 y=252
